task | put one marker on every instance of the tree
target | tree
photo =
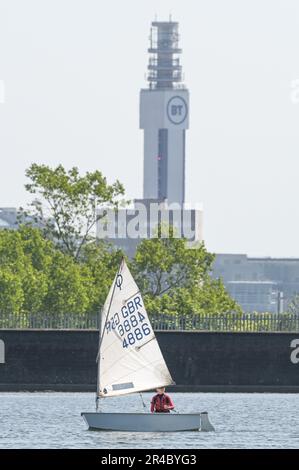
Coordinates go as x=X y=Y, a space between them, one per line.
x=22 y=286
x=101 y=261
x=66 y=204
x=38 y=278
x=11 y=292
x=67 y=287
x=293 y=306
x=177 y=279
x=162 y=264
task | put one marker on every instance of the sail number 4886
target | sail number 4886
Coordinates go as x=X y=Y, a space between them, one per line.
x=136 y=335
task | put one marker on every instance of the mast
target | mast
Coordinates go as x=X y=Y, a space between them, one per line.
x=101 y=334
x=99 y=361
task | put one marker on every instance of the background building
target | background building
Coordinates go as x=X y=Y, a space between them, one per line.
x=11 y=217
x=8 y=217
x=255 y=296
x=260 y=284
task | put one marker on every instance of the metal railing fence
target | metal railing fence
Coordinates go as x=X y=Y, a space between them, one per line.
x=230 y=322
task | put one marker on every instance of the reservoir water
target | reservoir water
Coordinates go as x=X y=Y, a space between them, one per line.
x=52 y=420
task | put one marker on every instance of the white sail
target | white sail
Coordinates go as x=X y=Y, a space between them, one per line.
x=130 y=359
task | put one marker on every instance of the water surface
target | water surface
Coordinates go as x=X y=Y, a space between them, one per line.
x=52 y=420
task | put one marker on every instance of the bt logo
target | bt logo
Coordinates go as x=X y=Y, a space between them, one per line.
x=177 y=110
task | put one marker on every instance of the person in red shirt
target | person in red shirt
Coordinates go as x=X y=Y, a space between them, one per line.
x=161 y=403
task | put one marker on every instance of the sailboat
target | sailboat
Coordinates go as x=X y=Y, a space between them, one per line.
x=129 y=361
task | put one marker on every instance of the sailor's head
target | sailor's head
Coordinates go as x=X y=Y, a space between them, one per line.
x=160 y=390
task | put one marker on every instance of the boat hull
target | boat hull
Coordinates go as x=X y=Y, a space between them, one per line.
x=148 y=422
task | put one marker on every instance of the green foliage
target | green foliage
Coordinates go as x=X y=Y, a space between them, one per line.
x=36 y=277
x=12 y=272
x=176 y=279
x=59 y=268
x=69 y=287
x=101 y=263
x=161 y=264
x=66 y=204
x=11 y=292
x=210 y=298
x=293 y=306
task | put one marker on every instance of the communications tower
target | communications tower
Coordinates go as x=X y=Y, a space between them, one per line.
x=164 y=117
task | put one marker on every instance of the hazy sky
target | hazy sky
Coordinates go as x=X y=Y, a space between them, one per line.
x=73 y=70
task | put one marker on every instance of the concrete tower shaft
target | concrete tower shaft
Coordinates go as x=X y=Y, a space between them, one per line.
x=164 y=116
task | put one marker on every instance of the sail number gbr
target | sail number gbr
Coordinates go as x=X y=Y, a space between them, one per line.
x=130 y=324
